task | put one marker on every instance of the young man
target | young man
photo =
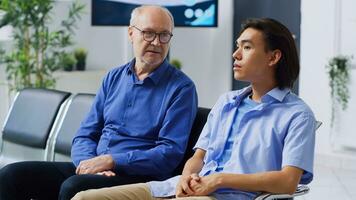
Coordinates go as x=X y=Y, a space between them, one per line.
x=258 y=139
x=136 y=131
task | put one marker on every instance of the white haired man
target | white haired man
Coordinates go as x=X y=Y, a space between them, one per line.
x=136 y=131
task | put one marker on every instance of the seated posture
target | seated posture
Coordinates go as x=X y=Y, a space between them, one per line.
x=258 y=139
x=136 y=131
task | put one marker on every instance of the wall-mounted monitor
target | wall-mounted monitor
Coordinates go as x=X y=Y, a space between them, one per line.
x=186 y=13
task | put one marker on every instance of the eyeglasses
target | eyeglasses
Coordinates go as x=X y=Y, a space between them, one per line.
x=149 y=36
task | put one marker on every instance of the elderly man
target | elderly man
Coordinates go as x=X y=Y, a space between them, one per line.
x=258 y=139
x=136 y=130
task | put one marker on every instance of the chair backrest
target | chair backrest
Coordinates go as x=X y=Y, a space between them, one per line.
x=198 y=125
x=318 y=124
x=76 y=110
x=29 y=124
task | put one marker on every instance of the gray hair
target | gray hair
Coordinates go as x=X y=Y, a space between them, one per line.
x=138 y=10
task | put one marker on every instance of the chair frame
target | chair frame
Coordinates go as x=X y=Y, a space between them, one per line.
x=7 y=159
x=51 y=142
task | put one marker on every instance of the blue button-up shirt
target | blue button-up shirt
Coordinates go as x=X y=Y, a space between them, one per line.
x=144 y=125
x=278 y=132
x=246 y=105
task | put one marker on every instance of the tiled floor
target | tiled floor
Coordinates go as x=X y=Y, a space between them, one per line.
x=331 y=183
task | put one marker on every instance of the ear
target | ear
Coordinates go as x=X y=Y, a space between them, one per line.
x=276 y=55
x=130 y=33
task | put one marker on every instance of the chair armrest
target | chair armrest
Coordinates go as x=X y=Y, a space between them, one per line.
x=301 y=190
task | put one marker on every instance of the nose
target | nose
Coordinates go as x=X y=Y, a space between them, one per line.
x=156 y=41
x=237 y=54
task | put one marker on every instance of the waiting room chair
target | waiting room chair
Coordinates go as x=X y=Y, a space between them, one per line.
x=29 y=123
x=301 y=189
x=75 y=111
x=199 y=122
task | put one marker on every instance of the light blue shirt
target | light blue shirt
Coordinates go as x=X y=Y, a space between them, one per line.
x=246 y=105
x=278 y=132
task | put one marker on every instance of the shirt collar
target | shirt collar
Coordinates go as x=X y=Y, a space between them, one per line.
x=275 y=93
x=130 y=69
x=278 y=94
x=156 y=75
x=241 y=94
x=159 y=72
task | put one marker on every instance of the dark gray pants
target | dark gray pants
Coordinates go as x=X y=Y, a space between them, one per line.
x=53 y=180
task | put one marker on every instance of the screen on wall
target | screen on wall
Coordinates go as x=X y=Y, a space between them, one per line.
x=188 y=13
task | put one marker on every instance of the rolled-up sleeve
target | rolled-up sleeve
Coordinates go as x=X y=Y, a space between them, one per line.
x=299 y=145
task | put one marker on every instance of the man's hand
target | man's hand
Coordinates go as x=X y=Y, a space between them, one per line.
x=106 y=173
x=204 y=185
x=183 y=188
x=95 y=165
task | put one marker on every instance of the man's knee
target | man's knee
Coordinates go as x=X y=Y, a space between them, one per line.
x=70 y=187
x=4 y=176
x=8 y=174
x=127 y=192
x=9 y=181
x=82 y=196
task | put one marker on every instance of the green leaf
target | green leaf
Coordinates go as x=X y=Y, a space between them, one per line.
x=338 y=69
x=37 y=46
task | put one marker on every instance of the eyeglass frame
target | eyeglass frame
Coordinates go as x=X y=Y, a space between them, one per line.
x=143 y=32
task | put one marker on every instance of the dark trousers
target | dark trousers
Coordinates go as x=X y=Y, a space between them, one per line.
x=53 y=180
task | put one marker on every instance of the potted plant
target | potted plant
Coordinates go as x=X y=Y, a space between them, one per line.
x=338 y=69
x=68 y=62
x=80 y=55
x=176 y=63
x=37 y=47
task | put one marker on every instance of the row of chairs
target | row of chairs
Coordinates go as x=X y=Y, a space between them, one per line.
x=41 y=124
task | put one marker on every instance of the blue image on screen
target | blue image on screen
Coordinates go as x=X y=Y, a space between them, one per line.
x=186 y=13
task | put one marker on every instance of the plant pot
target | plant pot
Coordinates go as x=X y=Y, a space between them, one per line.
x=68 y=68
x=81 y=66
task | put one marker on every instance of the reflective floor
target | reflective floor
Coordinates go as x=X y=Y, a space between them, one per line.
x=332 y=183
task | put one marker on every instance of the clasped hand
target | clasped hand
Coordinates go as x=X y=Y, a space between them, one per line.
x=194 y=185
x=101 y=165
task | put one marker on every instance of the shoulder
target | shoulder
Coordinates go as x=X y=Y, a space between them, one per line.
x=178 y=76
x=296 y=103
x=118 y=70
x=297 y=111
x=225 y=99
x=231 y=96
x=115 y=73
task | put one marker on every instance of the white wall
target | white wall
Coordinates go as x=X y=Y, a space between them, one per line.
x=327 y=32
x=107 y=46
x=3 y=97
x=346 y=44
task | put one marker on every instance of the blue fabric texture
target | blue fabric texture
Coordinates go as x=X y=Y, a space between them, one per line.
x=143 y=124
x=246 y=105
x=278 y=132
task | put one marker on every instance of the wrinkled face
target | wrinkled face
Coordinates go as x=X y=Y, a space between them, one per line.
x=150 y=54
x=252 y=61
